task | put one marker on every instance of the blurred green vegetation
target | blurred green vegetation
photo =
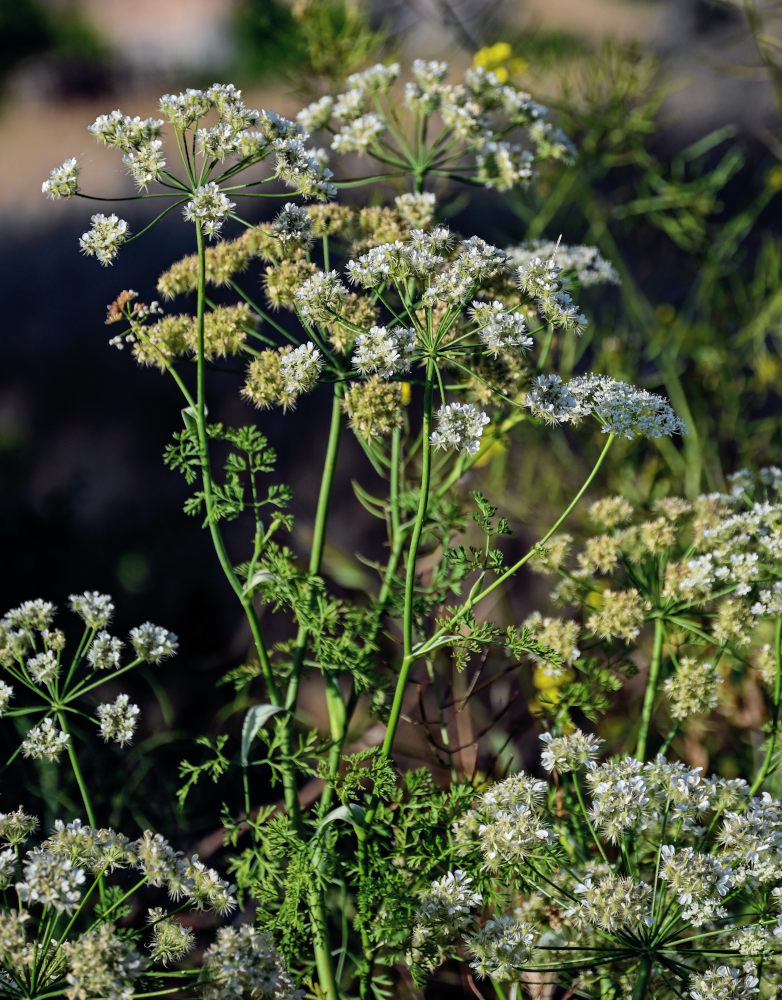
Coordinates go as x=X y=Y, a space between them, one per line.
x=314 y=44
x=29 y=28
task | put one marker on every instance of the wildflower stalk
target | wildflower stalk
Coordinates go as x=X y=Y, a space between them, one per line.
x=206 y=474
x=85 y=797
x=642 y=979
x=651 y=689
x=409 y=656
x=762 y=774
x=555 y=527
x=317 y=906
x=473 y=599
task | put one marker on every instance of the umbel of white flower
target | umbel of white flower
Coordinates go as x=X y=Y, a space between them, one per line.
x=459 y=427
x=209 y=207
x=63 y=182
x=107 y=235
x=618 y=407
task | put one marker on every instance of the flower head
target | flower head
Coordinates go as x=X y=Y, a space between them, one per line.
x=209 y=207
x=103 y=241
x=118 y=720
x=153 y=643
x=63 y=181
x=459 y=427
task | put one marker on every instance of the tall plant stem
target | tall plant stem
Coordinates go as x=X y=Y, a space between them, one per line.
x=206 y=475
x=408 y=657
x=334 y=703
x=651 y=689
x=642 y=979
x=762 y=774
x=85 y=797
x=316 y=901
x=563 y=516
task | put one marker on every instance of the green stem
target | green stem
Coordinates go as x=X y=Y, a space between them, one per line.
x=642 y=979
x=565 y=513
x=77 y=773
x=772 y=739
x=206 y=474
x=85 y=796
x=473 y=599
x=315 y=895
x=409 y=657
x=365 y=977
x=651 y=689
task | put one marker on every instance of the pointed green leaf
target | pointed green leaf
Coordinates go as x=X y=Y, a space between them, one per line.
x=256 y=719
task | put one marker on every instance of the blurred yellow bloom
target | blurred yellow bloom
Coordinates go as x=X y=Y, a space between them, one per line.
x=499 y=59
x=495 y=448
x=406 y=393
x=545 y=682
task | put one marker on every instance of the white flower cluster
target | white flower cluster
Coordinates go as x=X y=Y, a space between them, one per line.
x=293 y=226
x=302 y=169
x=737 y=548
x=118 y=720
x=613 y=903
x=501 y=948
x=105 y=651
x=420 y=255
x=541 y=278
x=152 y=643
x=101 y=964
x=476 y=115
x=209 y=208
x=570 y=752
x=503 y=165
x=459 y=427
x=44 y=668
x=384 y=351
x=124 y=132
x=300 y=368
x=107 y=235
x=45 y=741
x=94 y=609
x=63 y=181
x=619 y=408
x=695 y=852
x=499 y=328
x=51 y=881
x=723 y=982
x=699 y=881
x=321 y=297
x=6 y=694
x=584 y=263
x=244 y=962
x=449 y=901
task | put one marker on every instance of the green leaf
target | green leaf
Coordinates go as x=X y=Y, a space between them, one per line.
x=352 y=813
x=189 y=419
x=256 y=719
